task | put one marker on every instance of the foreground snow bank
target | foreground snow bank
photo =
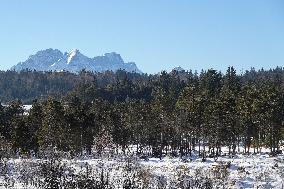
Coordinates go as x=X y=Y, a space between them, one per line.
x=240 y=171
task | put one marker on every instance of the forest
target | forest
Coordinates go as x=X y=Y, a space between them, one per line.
x=166 y=113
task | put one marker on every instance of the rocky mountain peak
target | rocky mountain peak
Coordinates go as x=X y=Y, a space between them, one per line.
x=74 y=61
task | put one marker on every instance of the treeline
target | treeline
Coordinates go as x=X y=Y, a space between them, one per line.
x=174 y=113
x=28 y=85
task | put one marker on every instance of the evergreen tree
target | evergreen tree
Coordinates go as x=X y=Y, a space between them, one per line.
x=54 y=132
x=34 y=123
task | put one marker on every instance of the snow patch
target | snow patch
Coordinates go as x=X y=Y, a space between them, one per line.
x=71 y=55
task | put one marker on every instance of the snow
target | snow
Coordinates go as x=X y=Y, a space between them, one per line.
x=53 y=59
x=27 y=107
x=254 y=166
x=242 y=171
x=71 y=55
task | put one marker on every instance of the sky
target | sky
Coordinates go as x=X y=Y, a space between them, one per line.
x=155 y=34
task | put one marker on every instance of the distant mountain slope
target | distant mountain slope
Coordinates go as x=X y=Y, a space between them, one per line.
x=74 y=61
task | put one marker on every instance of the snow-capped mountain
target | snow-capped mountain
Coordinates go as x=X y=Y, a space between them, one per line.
x=74 y=61
x=178 y=69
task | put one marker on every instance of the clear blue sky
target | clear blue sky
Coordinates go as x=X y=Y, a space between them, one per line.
x=156 y=34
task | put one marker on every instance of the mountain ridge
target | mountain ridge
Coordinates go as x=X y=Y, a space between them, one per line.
x=74 y=61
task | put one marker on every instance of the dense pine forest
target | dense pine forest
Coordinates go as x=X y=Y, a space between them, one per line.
x=167 y=113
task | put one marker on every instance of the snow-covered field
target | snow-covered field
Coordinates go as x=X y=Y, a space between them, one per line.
x=255 y=171
x=240 y=171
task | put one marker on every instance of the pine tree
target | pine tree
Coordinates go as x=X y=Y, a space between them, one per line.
x=54 y=132
x=246 y=108
x=34 y=123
